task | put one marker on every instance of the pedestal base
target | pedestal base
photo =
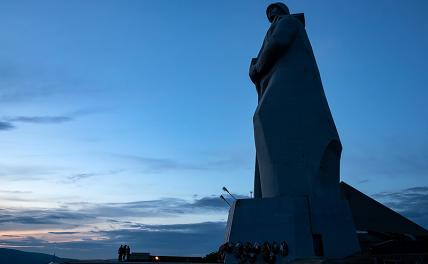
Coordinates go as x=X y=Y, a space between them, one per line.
x=322 y=227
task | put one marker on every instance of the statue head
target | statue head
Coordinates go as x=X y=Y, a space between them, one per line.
x=276 y=9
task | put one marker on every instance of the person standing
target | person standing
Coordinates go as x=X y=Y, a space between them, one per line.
x=120 y=252
x=127 y=252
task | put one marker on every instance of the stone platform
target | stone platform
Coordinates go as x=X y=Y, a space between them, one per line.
x=314 y=228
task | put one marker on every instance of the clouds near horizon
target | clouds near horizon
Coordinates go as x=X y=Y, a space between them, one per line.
x=90 y=230
x=196 y=239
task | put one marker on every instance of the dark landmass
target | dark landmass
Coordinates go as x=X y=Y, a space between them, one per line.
x=13 y=256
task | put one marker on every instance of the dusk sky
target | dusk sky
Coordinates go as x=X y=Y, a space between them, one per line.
x=120 y=121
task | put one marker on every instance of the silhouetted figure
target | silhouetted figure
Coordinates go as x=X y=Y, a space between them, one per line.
x=283 y=249
x=266 y=252
x=121 y=252
x=127 y=252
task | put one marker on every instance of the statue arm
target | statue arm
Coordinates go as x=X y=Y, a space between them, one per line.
x=278 y=40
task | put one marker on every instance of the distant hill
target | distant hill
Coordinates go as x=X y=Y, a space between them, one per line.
x=13 y=256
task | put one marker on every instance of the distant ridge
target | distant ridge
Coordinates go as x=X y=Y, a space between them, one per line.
x=13 y=256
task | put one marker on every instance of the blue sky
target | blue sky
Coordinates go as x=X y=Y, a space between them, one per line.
x=120 y=121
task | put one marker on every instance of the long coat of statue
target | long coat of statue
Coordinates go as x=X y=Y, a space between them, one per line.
x=297 y=144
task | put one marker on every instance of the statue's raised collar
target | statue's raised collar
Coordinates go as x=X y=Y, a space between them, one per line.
x=298 y=16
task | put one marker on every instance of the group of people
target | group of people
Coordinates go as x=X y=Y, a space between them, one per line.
x=248 y=252
x=124 y=251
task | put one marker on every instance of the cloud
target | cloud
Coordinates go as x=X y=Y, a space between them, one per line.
x=25 y=172
x=6 y=126
x=14 y=192
x=8 y=122
x=165 y=207
x=411 y=202
x=70 y=214
x=160 y=165
x=95 y=230
x=63 y=233
x=81 y=176
x=209 y=202
x=15 y=199
x=41 y=217
x=157 y=165
x=214 y=202
x=40 y=119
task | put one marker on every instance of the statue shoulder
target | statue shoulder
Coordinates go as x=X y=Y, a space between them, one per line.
x=286 y=24
x=288 y=20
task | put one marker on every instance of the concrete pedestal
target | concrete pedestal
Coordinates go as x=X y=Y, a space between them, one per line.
x=311 y=228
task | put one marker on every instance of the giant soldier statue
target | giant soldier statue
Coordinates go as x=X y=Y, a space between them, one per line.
x=293 y=126
x=298 y=152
